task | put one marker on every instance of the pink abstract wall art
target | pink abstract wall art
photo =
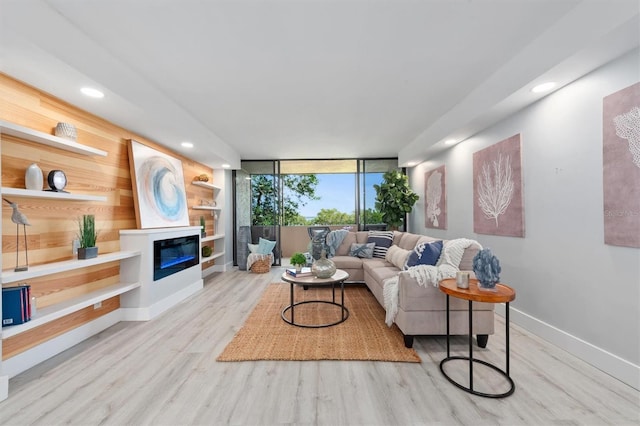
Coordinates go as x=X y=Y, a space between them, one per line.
x=435 y=196
x=621 y=167
x=498 y=205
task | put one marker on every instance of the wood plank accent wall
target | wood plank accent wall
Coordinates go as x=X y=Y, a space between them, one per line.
x=54 y=223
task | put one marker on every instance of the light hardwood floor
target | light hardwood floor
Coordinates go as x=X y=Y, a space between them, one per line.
x=164 y=372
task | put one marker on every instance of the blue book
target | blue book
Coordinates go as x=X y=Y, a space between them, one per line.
x=13 y=306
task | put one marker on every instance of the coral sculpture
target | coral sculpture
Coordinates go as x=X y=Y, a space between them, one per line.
x=487 y=268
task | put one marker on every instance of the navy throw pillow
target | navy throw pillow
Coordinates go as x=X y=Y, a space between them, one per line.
x=383 y=240
x=426 y=253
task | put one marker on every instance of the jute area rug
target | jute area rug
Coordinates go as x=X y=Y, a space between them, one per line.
x=363 y=336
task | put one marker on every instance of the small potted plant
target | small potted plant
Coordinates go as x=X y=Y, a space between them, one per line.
x=298 y=260
x=203 y=233
x=87 y=235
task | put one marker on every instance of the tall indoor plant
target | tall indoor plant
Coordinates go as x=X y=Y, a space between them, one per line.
x=394 y=198
x=87 y=235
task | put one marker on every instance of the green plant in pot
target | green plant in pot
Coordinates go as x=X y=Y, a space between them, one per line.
x=394 y=198
x=87 y=235
x=298 y=260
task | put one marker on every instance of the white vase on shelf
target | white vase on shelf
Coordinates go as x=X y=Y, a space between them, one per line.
x=33 y=178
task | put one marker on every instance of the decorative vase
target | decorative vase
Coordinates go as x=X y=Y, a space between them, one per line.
x=298 y=268
x=323 y=267
x=66 y=131
x=87 y=252
x=33 y=178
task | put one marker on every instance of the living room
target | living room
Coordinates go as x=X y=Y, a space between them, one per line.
x=563 y=308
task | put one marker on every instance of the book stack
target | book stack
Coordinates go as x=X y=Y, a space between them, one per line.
x=16 y=304
x=304 y=272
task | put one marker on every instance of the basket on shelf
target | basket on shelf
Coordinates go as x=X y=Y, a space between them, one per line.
x=260 y=263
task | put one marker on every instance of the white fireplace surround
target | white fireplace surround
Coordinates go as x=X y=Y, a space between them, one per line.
x=154 y=297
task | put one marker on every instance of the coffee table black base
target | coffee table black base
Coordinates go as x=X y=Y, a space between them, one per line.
x=471 y=390
x=345 y=314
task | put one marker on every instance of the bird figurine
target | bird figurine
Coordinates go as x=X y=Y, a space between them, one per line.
x=19 y=218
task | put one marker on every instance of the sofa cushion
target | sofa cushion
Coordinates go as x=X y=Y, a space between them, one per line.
x=383 y=240
x=408 y=241
x=345 y=246
x=347 y=262
x=364 y=251
x=397 y=256
x=425 y=253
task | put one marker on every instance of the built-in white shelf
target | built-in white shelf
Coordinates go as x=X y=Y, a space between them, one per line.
x=213 y=256
x=29 y=193
x=212 y=238
x=206 y=185
x=54 y=312
x=47 y=139
x=9 y=276
x=205 y=208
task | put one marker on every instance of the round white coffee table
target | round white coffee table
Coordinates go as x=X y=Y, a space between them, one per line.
x=307 y=281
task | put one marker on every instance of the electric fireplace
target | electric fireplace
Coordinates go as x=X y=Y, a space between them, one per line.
x=174 y=255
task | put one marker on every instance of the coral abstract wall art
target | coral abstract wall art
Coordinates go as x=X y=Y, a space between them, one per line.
x=435 y=196
x=621 y=167
x=498 y=207
x=159 y=191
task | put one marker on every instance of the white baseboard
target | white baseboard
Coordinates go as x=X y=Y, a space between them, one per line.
x=4 y=387
x=611 y=364
x=150 y=312
x=29 y=358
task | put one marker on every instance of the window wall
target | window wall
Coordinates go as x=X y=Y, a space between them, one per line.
x=273 y=197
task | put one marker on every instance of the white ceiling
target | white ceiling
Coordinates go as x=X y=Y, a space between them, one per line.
x=304 y=79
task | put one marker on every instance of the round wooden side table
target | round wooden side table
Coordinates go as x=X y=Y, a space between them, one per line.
x=500 y=294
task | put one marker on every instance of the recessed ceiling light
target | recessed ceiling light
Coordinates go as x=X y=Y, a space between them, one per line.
x=225 y=166
x=450 y=142
x=544 y=87
x=187 y=144
x=91 y=92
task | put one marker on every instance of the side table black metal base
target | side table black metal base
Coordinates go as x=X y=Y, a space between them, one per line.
x=471 y=359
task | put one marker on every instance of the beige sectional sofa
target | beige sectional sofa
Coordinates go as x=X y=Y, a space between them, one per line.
x=421 y=309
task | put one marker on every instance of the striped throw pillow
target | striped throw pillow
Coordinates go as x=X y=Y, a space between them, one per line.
x=383 y=240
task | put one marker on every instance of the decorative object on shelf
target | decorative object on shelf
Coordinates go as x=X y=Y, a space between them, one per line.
x=87 y=235
x=208 y=203
x=201 y=178
x=57 y=181
x=298 y=260
x=487 y=269
x=159 y=193
x=66 y=131
x=323 y=267
x=203 y=233
x=215 y=223
x=19 y=218
x=394 y=198
x=33 y=178
x=206 y=251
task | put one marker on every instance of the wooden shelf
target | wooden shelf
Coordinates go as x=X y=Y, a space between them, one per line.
x=9 y=276
x=53 y=312
x=29 y=193
x=212 y=238
x=205 y=208
x=47 y=139
x=205 y=185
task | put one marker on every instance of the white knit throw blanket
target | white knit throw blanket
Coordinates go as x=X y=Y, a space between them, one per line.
x=447 y=266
